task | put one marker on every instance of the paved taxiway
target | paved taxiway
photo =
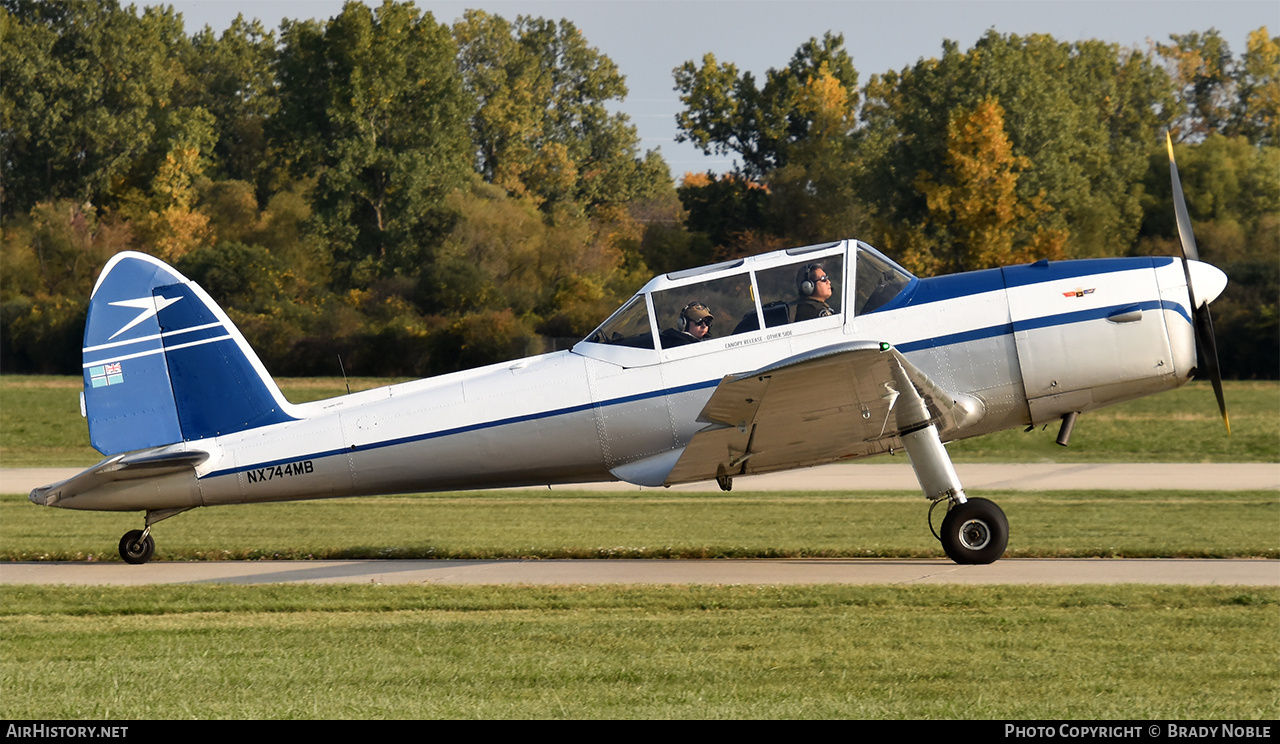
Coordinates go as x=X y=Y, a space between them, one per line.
x=773 y=572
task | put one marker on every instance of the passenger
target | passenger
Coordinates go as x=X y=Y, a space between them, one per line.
x=814 y=288
x=693 y=325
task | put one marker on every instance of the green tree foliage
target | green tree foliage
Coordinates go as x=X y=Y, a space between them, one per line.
x=794 y=138
x=541 y=127
x=558 y=276
x=667 y=243
x=732 y=212
x=1220 y=93
x=551 y=234
x=725 y=112
x=1257 y=107
x=88 y=100
x=370 y=105
x=1084 y=116
x=976 y=215
x=418 y=199
x=49 y=260
x=231 y=77
x=1232 y=190
x=317 y=181
x=813 y=192
x=1201 y=68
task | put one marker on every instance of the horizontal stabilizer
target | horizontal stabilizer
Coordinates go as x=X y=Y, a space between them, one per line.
x=121 y=467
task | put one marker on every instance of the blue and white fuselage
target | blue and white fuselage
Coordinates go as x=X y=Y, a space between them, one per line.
x=187 y=416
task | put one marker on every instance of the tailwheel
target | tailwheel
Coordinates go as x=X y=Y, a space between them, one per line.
x=975 y=532
x=137 y=546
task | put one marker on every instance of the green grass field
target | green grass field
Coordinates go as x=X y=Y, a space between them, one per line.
x=1177 y=426
x=559 y=524
x=1028 y=653
x=41 y=426
x=382 y=652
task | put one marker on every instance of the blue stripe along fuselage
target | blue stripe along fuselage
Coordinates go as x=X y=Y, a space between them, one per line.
x=955 y=286
x=924 y=291
x=471 y=427
x=1047 y=321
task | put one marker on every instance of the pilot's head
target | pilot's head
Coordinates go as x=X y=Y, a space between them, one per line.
x=812 y=281
x=695 y=320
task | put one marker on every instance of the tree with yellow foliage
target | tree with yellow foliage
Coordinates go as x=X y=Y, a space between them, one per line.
x=976 y=204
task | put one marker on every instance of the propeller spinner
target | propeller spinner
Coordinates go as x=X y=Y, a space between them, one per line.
x=1199 y=311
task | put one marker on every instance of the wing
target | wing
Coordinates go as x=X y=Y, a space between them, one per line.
x=848 y=400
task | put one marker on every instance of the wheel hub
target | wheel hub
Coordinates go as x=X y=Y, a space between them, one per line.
x=975 y=534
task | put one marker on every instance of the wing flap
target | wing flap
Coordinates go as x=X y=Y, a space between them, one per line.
x=846 y=400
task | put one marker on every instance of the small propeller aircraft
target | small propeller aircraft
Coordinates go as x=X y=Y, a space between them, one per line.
x=778 y=361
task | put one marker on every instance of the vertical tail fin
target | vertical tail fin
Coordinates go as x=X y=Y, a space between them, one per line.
x=163 y=363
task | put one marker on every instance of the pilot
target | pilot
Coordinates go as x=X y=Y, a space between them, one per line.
x=693 y=325
x=814 y=287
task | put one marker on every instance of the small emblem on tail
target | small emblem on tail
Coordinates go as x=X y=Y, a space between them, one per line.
x=149 y=307
x=107 y=374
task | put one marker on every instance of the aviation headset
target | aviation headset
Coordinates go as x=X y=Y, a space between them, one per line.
x=804 y=280
x=683 y=321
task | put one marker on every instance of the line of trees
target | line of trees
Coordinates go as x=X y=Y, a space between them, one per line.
x=420 y=198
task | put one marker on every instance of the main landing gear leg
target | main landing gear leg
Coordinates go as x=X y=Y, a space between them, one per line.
x=974 y=530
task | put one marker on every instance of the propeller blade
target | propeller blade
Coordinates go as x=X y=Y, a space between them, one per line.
x=1185 y=234
x=1204 y=335
x=1205 y=340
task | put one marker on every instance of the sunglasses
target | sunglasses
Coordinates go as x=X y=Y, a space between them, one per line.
x=826 y=279
x=705 y=322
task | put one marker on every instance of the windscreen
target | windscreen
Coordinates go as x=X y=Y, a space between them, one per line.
x=629 y=326
x=879 y=280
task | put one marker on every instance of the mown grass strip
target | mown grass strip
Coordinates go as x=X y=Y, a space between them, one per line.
x=639 y=652
x=542 y=524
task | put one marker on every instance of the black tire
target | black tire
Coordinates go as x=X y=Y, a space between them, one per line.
x=136 y=549
x=975 y=532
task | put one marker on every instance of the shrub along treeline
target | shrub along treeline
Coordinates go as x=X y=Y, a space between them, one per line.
x=419 y=198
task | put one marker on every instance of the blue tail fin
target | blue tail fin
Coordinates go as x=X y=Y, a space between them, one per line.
x=163 y=364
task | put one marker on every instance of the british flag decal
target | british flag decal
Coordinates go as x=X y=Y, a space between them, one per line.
x=106 y=374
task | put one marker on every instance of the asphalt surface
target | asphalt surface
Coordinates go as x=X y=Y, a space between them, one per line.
x=576 y=572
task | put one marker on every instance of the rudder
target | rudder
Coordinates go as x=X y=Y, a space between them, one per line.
x=163 y=363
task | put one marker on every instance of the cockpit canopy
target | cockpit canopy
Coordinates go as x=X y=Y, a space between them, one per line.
x=795 y=290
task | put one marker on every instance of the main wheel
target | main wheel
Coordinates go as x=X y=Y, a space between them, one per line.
x=135 y=548
x=975 y=532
